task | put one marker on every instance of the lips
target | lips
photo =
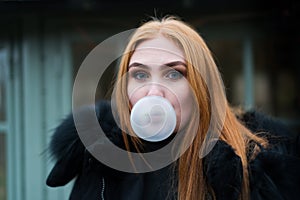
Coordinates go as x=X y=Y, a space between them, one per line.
x=157 y=114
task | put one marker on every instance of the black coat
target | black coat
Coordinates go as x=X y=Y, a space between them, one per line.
x=274 y=173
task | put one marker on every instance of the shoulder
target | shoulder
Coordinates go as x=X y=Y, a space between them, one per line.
x=66 y=136
x=274 y=173
x=67 y=148
x=278 y=134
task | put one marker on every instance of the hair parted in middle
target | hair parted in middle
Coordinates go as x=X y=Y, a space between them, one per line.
x=207 y=87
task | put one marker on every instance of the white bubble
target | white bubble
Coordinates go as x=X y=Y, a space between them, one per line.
x=153 y=118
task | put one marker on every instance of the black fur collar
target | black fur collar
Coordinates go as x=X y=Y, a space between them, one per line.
x=272 y=170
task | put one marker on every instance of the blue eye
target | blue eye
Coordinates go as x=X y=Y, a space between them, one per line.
x=140 y=75
x=174 y=75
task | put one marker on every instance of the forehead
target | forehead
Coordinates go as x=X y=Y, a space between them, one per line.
x=159 y=50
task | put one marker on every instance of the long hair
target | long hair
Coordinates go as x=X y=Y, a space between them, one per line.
x=206 y=83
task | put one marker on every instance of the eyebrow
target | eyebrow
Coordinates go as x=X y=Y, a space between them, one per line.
x=170 y=64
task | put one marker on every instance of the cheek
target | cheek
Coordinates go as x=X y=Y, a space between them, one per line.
x=135 y=94
x=184 y=106
x=186 y=109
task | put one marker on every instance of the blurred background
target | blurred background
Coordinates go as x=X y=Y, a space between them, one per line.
x=256 y=45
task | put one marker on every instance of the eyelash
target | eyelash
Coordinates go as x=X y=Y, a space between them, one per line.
x=135 y=73
x=177 y=73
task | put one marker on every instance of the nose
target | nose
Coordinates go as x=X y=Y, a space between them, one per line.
x=156 y=90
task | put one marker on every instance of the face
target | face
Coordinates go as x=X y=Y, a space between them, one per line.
x=157 y=67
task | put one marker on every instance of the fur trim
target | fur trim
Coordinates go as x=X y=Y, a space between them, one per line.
x=222 y=166
x=274 y=176
x=279 y=136
x=67 y=148
x=224 y=171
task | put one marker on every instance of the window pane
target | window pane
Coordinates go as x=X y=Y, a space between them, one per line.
x=2 y=166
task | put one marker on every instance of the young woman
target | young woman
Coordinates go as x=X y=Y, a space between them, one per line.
x=218 y=154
